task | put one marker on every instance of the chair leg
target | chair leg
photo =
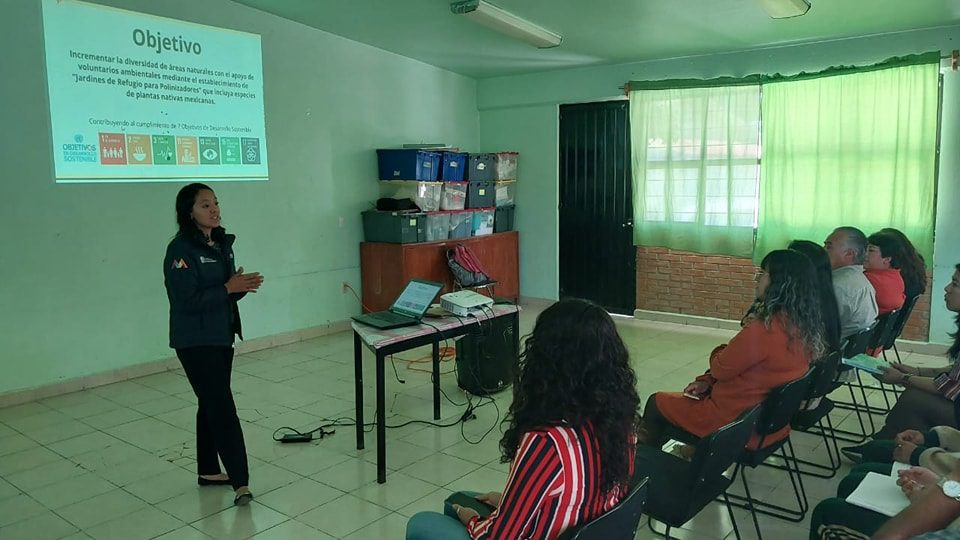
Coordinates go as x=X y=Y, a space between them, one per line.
x=655 y=531
x=749 y=498
x=733 y=518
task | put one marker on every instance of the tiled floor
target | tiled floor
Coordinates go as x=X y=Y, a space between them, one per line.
x=117 y=462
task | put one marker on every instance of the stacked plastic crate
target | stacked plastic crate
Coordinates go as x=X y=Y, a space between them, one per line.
x=457 y=195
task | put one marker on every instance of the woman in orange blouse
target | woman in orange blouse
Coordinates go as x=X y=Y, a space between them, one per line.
x=882 y=269
x=775 y=346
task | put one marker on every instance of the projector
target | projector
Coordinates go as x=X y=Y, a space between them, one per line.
x=463 y=303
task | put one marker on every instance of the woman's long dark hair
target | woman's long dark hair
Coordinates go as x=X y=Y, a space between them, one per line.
x=908 y=261
x=793 y=293
x=186 y=198
x=829 y=311
x=575 y=369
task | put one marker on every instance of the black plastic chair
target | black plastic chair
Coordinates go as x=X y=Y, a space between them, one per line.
x=812 y=418
x=620 y=523
x=898 y=326
x=856 y=344
x=678 y=489
x=776 y=412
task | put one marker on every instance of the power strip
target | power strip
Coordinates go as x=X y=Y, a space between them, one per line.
x=296 y=437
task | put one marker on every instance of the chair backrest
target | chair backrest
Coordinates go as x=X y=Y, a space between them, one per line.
x=859 y=342
x=882 y=328
x=719 y=450
x=901 y=321
x=823 y=376
x=781 y=404
x=619 y=523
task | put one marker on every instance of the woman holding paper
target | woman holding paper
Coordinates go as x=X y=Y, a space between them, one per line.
x=931 y=394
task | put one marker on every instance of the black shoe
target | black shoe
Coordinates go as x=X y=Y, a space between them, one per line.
x=207 y=482
x=853 y=453
x=243 y=500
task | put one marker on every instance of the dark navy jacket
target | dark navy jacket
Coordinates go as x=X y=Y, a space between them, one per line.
x=201 y=311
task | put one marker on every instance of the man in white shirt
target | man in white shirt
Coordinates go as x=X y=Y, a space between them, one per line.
x=856 y=298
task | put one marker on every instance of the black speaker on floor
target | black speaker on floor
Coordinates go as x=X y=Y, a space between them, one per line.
x=487 y=357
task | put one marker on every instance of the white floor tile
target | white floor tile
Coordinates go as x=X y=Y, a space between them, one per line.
x=45 y=526
x=292 y=530
x=299 y=497
x=240 y=522
x=101 y=508
x=343 y=516
x=19 y=508
x=140 y=525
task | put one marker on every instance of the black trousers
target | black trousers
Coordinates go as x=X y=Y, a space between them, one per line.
x=919 y=410
x=218 y=427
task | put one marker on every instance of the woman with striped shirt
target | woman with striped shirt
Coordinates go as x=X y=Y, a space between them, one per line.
x=570 y=438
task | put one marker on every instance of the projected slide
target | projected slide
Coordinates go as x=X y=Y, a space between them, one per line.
x=138 y=98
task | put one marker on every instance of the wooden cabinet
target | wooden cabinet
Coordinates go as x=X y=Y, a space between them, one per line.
x=385 y=269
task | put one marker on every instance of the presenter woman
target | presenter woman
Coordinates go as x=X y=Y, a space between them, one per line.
x=203 y=287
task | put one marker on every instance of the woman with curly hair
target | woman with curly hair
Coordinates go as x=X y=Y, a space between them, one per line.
x=570 y=437
x=784 y=334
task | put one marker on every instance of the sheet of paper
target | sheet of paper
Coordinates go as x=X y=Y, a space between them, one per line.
x=879 y=493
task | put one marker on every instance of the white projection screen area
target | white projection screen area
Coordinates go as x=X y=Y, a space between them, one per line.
x=138 y=98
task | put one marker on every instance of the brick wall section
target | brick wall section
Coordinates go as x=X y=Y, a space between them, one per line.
x=717 y=286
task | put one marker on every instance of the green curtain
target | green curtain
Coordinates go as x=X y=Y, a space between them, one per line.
x=856 y=149
x=695 y=165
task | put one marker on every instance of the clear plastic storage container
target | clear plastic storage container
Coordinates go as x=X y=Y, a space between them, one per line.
x=506 y=193
x=454 y=196
x=426 y=195
x=437 y=226
x=461 y=225
x=507 y=165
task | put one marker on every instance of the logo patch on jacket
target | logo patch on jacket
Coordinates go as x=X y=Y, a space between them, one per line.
x=206 y=259
x=179 y=264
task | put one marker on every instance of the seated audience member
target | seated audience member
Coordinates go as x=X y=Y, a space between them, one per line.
x=934 y=506
x=911 y=265
x=937 y=449
x=829 y=313
x=931 y=395
x=571 y=434
x=856 y=299
x=776 y=346
x=881 y=267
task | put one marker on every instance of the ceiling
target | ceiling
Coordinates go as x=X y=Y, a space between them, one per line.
x=599 y=31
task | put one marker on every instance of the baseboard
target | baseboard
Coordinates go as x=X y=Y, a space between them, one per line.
x=17 y=397
x=536 y=302
x=681 y=318
x=903 y=345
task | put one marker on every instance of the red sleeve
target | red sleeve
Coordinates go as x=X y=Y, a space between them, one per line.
x=534 y=470
x=747 y=348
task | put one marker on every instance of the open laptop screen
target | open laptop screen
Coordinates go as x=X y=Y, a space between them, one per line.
x=416 y=298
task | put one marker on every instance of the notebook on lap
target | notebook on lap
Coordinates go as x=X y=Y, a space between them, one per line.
x=408 y=309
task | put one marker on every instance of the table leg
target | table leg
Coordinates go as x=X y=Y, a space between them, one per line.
x=381 y=423
x=436 y=380
x=358 y=380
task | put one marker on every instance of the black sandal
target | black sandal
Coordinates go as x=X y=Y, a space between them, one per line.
x=243 y=499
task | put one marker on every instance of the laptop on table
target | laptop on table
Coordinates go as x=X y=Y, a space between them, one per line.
x=408 y=308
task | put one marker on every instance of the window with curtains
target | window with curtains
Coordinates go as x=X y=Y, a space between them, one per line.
x=846 y=146
x=696 y=167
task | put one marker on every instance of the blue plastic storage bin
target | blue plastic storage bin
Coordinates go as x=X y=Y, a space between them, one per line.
x=453 y=165
x=403 y=164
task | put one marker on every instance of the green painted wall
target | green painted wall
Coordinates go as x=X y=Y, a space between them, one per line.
x=523 y=108
x=532 y=131
x=81 y=285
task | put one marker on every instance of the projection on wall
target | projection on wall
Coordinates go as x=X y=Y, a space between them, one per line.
x=138 y=98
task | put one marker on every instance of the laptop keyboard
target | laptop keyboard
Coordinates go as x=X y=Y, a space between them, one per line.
x=391 y=317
